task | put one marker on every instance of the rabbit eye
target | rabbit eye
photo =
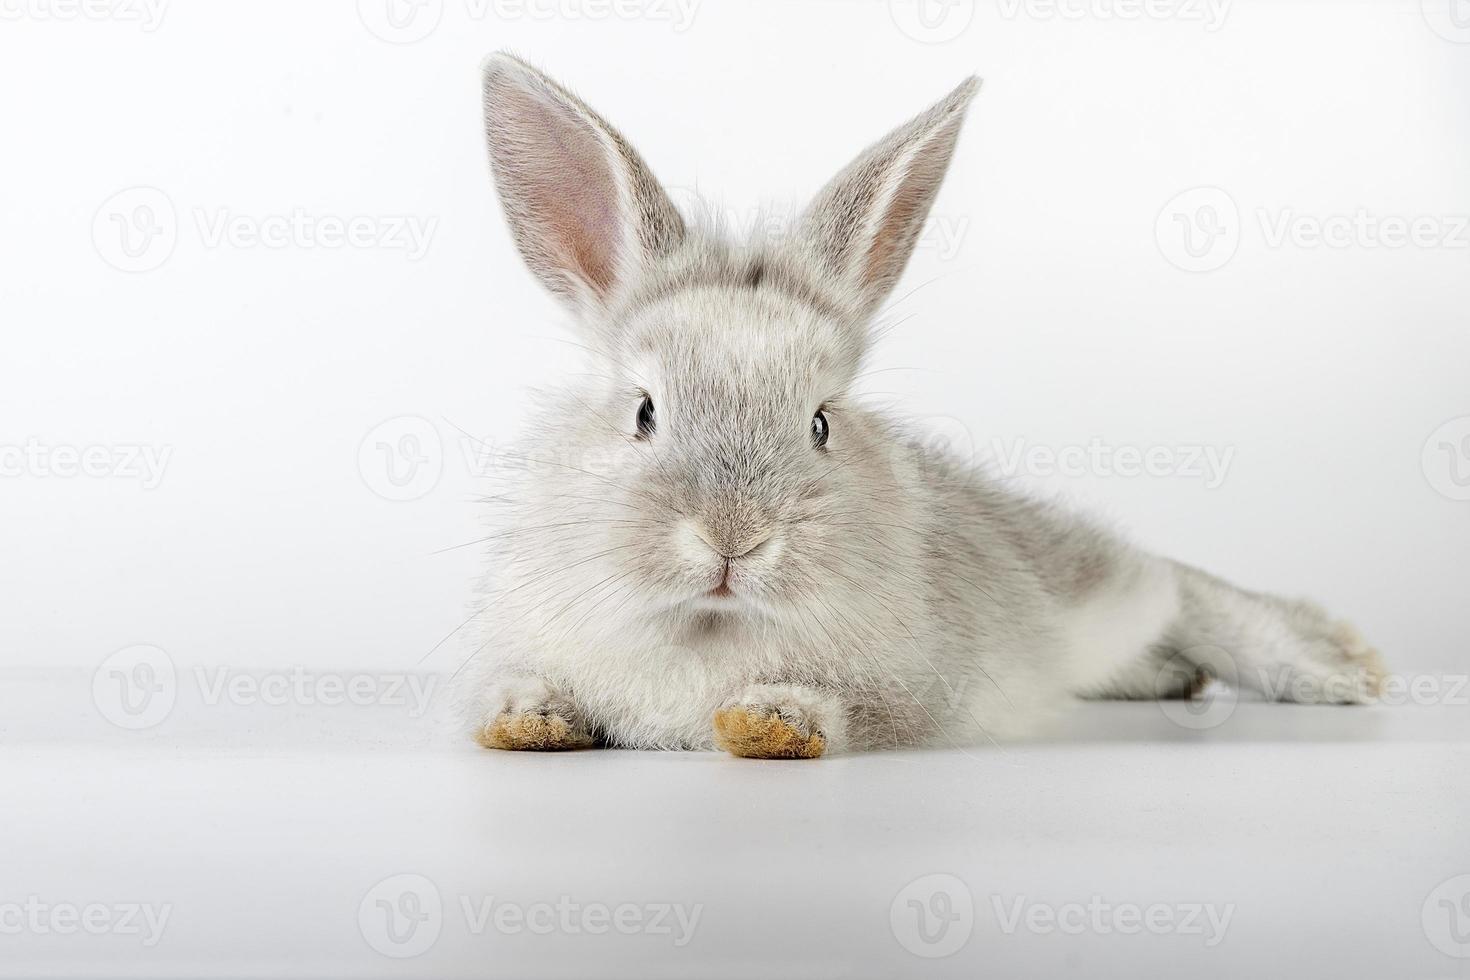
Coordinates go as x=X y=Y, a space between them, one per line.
x=645 y=418
x=819 y=429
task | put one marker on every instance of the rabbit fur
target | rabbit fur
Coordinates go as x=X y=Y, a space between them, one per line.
x=718 y=578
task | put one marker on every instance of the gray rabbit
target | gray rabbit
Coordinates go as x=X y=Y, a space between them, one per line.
x=711 y=544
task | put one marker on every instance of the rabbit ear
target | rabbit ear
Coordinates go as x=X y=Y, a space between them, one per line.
x=863 y=225
x=584 y=209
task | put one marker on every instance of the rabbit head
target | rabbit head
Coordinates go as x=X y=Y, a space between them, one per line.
x=714 y=462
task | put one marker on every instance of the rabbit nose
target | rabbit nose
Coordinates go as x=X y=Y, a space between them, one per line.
x=732 y=542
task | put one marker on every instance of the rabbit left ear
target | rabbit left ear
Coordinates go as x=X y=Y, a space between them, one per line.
x=585 y=210
x=863 y=225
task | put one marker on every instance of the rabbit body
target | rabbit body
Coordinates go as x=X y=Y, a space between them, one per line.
x=708 y=541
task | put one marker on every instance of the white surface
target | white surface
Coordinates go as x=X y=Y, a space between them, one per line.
x=1321 y=832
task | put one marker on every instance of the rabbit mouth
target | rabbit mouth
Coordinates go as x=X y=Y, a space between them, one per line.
x=720 y=597
x=725 y=573
x=724 y=596
x=722 y=589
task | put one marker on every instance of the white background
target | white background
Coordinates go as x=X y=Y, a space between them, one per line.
x=1044 y=307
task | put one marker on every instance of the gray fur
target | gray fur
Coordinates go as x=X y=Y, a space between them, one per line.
x=887 y=595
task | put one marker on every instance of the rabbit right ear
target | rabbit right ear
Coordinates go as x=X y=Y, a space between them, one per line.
x=585 y=211
x=863 y=225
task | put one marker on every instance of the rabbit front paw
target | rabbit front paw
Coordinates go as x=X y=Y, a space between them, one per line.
x=528 y=714
x=779 y=721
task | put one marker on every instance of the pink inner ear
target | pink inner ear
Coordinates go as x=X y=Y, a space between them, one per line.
x=904 y=218
x=567 y=187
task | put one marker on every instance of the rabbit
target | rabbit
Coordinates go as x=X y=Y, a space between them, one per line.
x=709 y=543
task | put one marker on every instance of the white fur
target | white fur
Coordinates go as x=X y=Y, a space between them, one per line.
x=883 y=594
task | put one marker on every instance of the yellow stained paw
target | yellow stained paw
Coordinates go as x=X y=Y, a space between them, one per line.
x=531 y=731
x=754 y=733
